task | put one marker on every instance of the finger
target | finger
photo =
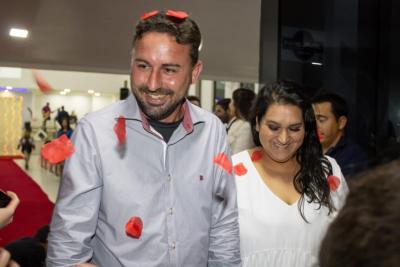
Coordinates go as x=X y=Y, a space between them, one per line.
x=14 y=200
x=4 y=257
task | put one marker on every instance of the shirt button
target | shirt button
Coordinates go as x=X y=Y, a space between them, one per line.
x=170 y=211
x=173 y=245
x=169 y=178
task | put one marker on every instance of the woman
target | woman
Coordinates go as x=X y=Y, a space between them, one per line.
x=239 y=130
x=288 y=192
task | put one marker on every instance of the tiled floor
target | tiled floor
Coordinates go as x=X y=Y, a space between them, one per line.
x=48 y=181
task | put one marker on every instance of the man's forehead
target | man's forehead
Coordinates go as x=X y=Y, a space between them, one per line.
x=323 y=108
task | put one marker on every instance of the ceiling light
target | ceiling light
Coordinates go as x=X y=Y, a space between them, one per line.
x=97 y=94
x=67 y=90
x=90 y=91
x=63 y=93
x=19 y=33
x=8 y=87
x=316 y=63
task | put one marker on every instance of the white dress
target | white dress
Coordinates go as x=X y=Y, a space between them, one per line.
x=273 y=233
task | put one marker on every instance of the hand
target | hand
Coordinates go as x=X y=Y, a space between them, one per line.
x=6 y=213
x=5 y=259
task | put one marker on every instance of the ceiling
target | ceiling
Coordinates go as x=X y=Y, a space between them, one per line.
x=96 y=35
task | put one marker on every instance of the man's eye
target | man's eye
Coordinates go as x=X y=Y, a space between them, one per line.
x=170 y=70
x=142 y=66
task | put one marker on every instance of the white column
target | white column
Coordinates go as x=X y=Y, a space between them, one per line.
x=230 y=87
x=207 y=94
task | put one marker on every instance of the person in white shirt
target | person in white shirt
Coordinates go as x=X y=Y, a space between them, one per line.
x=288 y=192
x=238 y=128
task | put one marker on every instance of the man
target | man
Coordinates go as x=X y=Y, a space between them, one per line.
x=153 y=196
x=46 y=113
x=194 y=100
x=332 y=114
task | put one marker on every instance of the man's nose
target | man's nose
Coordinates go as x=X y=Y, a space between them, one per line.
x=154 y=81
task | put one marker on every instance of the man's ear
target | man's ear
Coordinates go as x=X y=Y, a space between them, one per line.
x=196 y=71
x=342 y=122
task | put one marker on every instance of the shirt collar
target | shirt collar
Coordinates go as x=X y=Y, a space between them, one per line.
x=133 y=111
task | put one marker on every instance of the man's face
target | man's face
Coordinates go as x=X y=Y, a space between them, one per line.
x=161 y=74
x=221 y=113
x=329 y=128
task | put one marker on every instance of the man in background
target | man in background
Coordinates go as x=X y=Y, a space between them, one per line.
x=331 y=113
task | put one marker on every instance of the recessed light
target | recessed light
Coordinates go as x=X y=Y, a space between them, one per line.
x=67 y=90
x=90 y=91
x=97 y=94
x=63 y=93
x=316 y=63
x=8 y=87
x=19 y=33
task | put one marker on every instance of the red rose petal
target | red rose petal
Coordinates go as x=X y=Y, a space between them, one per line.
x=149 y=14
x=177 y=14
x=133 y=227
x=58 y=150
x=43 y=85
x=256 y=155
x=120 y=129
x=240 y=169
x=333 y=182
x=222 y=161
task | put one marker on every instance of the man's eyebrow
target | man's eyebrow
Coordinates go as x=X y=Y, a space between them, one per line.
x=321 y=116
x=171 y=65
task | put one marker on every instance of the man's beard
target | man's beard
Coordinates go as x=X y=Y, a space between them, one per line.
x=157 y=113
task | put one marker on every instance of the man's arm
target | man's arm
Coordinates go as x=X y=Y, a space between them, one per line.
x=76 y=211
x=224 y=247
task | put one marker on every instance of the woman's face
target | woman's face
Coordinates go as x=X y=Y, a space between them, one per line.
x=281 y=132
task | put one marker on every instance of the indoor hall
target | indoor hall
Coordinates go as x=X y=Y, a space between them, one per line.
x=76 y=57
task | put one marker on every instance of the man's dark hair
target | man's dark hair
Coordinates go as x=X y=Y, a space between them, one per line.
x=338 y=103
x=184 y=30
x=366 y=231
x=310 y=181
x=242 y=100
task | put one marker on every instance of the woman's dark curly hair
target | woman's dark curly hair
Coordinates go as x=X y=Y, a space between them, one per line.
x=311 y=179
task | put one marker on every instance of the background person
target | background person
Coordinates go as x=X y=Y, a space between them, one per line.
x=331 y=112
x=238 y=128
x=221 y=110
x=366 y=231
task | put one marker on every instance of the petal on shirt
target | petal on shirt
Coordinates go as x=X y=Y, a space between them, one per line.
x=256 y=155
x=133 y=227
x=120 y=129
x=222 y=161
x=240 y=169
x=333 y=182
x=58 y=150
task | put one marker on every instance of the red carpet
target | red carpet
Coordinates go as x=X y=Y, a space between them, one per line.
x=35 y=208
